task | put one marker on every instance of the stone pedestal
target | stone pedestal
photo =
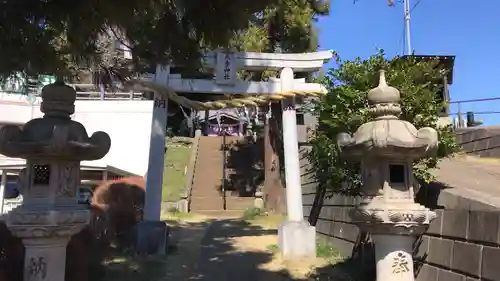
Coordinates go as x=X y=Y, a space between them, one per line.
x=152 y=237
x=53 y=147
x=45 y=235
x=297 y=239
x=393 y=255
x=45 y=259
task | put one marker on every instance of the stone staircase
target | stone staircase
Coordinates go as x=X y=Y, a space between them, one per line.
x=206 y=195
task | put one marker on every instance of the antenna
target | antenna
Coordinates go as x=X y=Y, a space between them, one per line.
x=407 y=25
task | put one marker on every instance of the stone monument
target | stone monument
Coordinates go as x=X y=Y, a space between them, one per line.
x=387 y=148
x=53 y=147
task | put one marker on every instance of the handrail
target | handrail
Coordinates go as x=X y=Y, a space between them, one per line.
x=191 y=167
x=223 y=182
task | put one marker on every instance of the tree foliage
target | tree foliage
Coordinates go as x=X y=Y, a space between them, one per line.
x=344 y=109
x=155 y=30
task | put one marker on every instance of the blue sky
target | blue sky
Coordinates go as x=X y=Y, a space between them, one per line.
x=470 y=30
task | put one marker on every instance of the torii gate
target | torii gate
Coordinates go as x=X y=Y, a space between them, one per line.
x=296 y=236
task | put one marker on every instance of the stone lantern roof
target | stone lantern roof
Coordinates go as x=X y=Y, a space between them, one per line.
x=387 y=135
x=54 y=136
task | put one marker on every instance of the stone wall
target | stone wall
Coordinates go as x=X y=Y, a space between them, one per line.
x=462 y=244
x=483 y=141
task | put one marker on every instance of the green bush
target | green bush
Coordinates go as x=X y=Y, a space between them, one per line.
x=253 y=213
x=344 y=109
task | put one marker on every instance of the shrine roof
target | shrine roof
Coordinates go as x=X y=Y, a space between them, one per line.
x=212 y=114
x=446 y=62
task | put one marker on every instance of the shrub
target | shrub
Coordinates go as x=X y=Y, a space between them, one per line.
x=344 y=109
x=253 y=213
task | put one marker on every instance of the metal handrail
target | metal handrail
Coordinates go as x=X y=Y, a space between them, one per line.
x=223 y=187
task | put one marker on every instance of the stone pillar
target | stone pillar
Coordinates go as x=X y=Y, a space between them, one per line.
x=394 y=257
x=387 y=148
x=152 y=232
x=53 y=147
x=154 y=175
x=43 y=259
x=296 y=237
x=3 y=184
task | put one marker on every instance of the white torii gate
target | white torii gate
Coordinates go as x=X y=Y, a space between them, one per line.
x=296 y=236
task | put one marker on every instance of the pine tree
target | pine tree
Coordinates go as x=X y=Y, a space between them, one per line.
x=156 y=30
x=286 y=26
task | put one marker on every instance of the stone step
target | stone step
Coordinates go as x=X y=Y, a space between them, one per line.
x=206 y=203
x=220 y=213
x=232 y=204
x=215 y=203
x=205 y=193
x=214 y=192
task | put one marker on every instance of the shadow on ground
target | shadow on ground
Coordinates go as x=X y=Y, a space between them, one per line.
x=205 y=251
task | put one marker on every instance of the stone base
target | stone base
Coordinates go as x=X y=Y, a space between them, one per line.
x=394 y=257
x=258 y=203
x=297 y=239
x=152 y=237
x=43 y=258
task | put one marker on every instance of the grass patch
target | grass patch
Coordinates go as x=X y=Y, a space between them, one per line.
x=259 y=217
x=175 y=214
x=126 y=266
x=253 y=213
x=324 y=250
x=176 y=161
x=273 y=248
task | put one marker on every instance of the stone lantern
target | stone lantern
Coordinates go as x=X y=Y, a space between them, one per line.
x=53 y=147
x=387 y=148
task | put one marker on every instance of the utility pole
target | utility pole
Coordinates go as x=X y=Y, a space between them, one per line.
x=407 y=25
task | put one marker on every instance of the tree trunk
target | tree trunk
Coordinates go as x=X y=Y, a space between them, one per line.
x=274 y=192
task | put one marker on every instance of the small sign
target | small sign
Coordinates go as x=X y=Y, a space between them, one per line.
x=160 y=103
x=226 y=68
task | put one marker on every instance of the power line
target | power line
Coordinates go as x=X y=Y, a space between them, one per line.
x=474 y=100
x=478 y=112
x=415 y=5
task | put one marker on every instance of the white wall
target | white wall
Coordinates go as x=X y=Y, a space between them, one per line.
x=128 y=123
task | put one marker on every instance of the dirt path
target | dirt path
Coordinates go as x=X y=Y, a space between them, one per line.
x=217 y=249
x=178 y=265
x=236 y=250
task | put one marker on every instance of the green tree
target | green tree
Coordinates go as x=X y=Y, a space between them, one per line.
x=285 y=26
x=156 y=31
x=344 y=109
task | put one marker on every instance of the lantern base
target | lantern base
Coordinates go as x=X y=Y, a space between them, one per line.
x=297 y=239
x=394 y=259
x=43 y=259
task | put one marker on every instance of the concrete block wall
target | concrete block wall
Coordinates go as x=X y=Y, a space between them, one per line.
x=462 y=244
x=483 y=141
